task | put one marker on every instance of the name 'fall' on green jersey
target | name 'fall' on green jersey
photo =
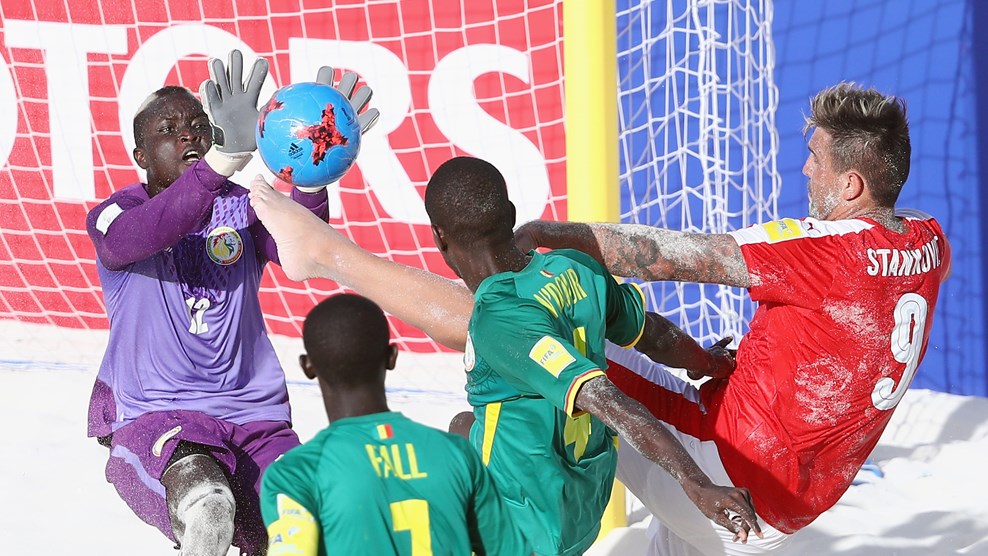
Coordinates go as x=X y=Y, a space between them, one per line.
x=383 y=484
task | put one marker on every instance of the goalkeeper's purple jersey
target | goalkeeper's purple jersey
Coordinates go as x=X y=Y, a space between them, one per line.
x=180 y=276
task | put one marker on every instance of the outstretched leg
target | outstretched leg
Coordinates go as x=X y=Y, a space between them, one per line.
x=311 y=248
x=200 y=504
x=293 y=228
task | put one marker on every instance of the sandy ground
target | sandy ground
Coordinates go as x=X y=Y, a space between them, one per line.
x=933 y=498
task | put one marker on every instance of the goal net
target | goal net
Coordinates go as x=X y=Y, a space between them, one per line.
x=696 y=114
x=477 y=77
x=698 y=141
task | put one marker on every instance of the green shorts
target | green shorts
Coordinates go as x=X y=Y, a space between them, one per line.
x=554 y=472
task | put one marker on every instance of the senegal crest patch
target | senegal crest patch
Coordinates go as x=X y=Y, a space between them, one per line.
x=224 y=245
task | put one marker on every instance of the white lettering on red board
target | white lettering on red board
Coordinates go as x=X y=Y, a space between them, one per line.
x=452 y=103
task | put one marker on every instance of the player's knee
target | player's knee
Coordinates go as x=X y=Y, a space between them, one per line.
x=461 y=423
x=201 y=505
x=206 y=514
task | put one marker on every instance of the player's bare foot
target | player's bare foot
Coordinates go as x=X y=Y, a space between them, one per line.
x=291 y=226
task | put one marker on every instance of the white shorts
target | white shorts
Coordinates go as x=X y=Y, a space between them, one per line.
x=679 y=529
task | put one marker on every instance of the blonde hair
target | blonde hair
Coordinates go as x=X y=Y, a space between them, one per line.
x=870 y=135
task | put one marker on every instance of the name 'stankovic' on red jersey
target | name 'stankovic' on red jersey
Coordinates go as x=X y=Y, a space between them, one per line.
x=844 y=316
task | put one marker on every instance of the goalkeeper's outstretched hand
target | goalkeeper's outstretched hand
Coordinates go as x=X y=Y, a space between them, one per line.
x=358 y=98
x=231 y=104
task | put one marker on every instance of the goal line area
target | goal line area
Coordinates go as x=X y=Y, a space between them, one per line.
x=43 y=347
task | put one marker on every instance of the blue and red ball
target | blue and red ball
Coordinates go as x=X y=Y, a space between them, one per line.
x=308 y=134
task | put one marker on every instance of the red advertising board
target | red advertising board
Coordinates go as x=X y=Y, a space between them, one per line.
x=482 y=78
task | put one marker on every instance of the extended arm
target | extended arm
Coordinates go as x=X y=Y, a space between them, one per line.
x=665 y=343
x=645 y=433
x=645 y=252
x=435 y=305
x=128 y=230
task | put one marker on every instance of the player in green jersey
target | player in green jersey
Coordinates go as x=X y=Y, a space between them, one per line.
x=536 y=337
x=375 y=482
x=540 y=395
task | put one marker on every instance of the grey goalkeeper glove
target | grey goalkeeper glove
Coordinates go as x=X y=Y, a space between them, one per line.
x=231 y=104
x=358 y=100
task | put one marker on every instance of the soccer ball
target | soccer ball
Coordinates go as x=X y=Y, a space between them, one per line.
x=308 y=134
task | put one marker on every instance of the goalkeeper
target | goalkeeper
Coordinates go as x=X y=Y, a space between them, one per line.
x=190 y=398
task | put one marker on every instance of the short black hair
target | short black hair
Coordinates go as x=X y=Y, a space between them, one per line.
x=347 y=339
x=144 y=112
x=468 y=198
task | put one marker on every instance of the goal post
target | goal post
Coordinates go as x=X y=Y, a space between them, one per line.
x=590 y=51
x=670 y=113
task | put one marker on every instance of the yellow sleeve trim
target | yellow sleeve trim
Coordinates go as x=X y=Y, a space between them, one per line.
x=641 y=330
x=295 y=531
x=574 y=388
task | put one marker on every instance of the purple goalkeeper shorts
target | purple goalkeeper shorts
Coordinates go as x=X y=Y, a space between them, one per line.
x=140 y=451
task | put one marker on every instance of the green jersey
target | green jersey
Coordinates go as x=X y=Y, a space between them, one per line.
x=536 y=336
x=383 y=484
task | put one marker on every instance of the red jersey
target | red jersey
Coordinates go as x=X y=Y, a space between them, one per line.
x=843 y=320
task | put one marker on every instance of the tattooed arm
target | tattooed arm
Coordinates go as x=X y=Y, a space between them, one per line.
x=645 y=252
x=639 y=428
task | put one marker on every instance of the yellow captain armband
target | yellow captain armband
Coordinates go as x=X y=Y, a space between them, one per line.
x=295 y=532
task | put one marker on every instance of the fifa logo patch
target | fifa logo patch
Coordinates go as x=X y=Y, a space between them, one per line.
x=224 y=245
x=550 y=354
x=782 y=230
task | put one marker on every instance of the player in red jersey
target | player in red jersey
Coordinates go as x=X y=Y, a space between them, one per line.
x=846 y=299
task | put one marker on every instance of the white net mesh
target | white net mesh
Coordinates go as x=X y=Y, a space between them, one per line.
x=478 y=77
x=698 y=138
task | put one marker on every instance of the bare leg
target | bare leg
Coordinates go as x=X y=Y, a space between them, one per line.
x=311 y=248
x=292 y=226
